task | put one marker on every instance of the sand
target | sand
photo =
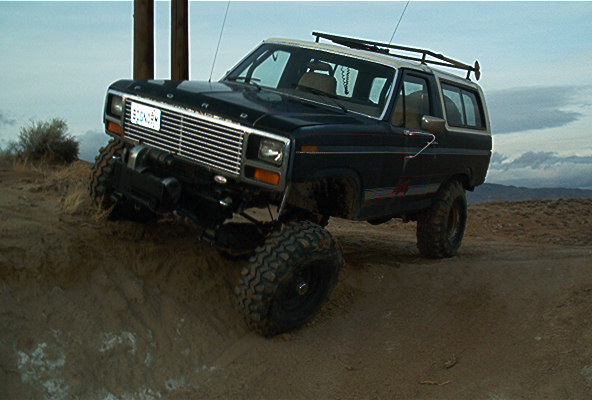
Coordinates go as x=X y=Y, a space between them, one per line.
x=93 y=309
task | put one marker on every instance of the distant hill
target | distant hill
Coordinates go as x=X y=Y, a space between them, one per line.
x=494 y=192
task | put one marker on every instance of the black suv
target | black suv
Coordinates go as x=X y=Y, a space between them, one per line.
x=306 y=131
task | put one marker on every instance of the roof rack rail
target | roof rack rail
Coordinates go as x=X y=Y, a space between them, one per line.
x=384 y=48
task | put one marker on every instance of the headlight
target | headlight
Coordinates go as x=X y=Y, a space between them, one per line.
x=116 y=108
x=271 y=151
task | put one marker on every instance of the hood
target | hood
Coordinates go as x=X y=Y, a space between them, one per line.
x=258 y=108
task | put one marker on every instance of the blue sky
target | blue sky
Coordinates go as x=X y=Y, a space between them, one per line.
x=59 y=57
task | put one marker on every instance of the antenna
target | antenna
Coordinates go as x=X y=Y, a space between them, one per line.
x=400 y=18
x=219 y=40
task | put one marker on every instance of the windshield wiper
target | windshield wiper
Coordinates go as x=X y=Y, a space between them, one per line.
x=249 y=81
x=323 y=94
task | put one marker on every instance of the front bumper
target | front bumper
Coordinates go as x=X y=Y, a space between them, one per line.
x=163 y=183
x=157 y=194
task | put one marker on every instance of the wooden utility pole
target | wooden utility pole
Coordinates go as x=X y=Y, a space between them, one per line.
x=179 y=40
x=143 y=39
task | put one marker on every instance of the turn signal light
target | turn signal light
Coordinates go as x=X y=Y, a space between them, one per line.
x=115 y=128
x=310 y=148
x=267 y=176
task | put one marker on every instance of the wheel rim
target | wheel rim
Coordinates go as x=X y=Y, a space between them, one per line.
x=453 y=226
x=304 y=292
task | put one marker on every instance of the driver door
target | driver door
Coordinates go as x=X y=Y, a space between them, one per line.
x=415 y=100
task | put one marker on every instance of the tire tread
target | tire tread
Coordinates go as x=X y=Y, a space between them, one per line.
x=432 y=240
x=272 y=262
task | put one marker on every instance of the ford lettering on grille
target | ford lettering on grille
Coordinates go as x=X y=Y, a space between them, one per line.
x=212 y=143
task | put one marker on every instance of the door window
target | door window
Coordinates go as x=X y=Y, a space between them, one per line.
x=413 y=102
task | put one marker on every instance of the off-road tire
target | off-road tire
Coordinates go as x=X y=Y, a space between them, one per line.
x=101 y=176
x=317 y=219
x=441 y=228
x=101 y=173
x=289 y=278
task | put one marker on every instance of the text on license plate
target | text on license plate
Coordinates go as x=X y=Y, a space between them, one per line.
x=145 y=116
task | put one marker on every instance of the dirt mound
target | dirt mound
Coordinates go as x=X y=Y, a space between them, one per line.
x=102 y=310
x=82 y=296
x=562 y=222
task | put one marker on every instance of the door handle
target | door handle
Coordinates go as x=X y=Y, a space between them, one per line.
x=431 y=141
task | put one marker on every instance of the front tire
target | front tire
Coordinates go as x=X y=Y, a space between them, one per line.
x=100 y=182
x=441 y=228
x=289 y=278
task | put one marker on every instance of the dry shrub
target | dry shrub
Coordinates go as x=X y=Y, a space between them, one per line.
x=8 y=154
x=67 y=176
x=77 y=202
x=23 y=166
x=46 y=141
x=71 y=182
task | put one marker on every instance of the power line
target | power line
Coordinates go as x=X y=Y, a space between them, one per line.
x=400 y=18
x=219 y=40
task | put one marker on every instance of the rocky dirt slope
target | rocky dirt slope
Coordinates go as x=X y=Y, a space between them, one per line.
x=92 y=309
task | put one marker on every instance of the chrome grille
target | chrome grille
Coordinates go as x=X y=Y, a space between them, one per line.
x=201 y=139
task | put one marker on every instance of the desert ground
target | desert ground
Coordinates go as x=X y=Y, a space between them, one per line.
x=95 y=309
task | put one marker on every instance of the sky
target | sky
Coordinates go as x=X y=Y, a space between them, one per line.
x=58 y=58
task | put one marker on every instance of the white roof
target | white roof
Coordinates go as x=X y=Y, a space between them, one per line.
x=370 y=56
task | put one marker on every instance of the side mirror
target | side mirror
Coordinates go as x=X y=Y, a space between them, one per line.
x=433 y=124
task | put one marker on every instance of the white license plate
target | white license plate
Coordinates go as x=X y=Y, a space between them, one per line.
x=145 y=116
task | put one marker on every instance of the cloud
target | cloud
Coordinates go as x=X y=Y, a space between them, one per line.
x=498 y=158
x=541 y=169
x=6 y=120
x=522 y=109
x=90 y=143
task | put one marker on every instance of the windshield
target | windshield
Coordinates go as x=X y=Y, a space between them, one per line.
x=336 y=80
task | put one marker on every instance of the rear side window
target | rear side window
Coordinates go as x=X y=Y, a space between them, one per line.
x=463 y=108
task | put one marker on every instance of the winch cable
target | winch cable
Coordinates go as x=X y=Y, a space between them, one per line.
x=398 y=23
x=219 y=40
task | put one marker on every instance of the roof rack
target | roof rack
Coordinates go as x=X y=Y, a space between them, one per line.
x=384 y=48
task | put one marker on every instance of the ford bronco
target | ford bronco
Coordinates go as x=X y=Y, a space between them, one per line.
x=335 y=128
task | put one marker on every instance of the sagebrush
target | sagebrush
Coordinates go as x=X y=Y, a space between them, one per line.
x=44 y=141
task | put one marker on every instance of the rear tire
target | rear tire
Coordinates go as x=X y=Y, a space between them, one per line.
x=289 y=278
x=441 y=228
x=100 y=186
